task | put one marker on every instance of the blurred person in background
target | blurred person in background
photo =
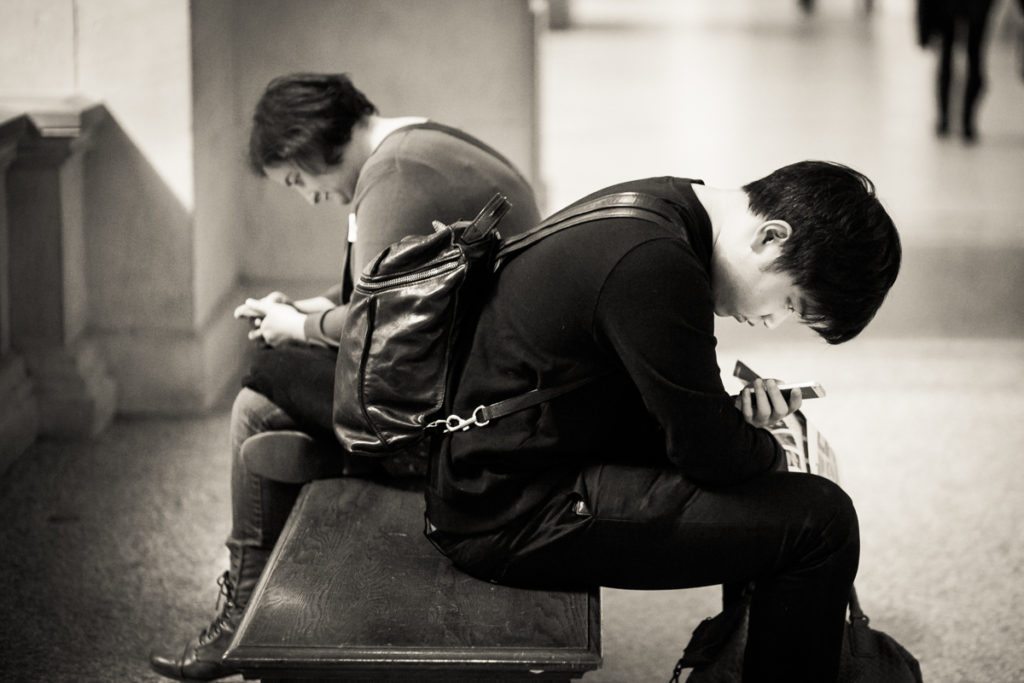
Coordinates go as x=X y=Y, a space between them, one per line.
x=954 y=22
x=320 y=136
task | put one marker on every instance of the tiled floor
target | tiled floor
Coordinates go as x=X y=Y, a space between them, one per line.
x=116 y=542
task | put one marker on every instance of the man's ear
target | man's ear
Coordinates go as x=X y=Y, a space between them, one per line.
x=770 y=234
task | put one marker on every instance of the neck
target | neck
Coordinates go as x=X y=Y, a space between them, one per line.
x=728 y=209
x=376 y=128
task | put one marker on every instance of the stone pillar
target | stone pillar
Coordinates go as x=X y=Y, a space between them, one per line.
x=19 y=419
x=47 y=284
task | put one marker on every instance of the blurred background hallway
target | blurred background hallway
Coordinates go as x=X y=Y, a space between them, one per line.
x=102 y=537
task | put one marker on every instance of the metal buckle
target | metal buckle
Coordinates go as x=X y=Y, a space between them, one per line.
x=454 y=423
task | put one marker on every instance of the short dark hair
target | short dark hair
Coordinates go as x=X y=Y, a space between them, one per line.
x=305 y=119
x=844 y=252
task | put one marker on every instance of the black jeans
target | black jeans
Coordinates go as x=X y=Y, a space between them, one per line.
x=794 y=535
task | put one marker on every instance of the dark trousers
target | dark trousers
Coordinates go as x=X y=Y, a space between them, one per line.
x=794 y=535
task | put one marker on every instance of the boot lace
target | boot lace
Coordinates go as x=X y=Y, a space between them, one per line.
x=225 y=602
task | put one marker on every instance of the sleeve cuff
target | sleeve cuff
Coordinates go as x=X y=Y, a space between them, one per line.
x=313 y=328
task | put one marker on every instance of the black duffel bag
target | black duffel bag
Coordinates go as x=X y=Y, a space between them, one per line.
x=715 y=651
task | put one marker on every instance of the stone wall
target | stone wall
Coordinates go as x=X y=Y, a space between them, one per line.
x=174 y=231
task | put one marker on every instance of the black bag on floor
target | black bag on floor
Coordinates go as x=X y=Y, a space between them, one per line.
x=716 y=648
x=870 y=655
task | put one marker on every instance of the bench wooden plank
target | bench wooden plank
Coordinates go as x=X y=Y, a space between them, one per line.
x=355 y=591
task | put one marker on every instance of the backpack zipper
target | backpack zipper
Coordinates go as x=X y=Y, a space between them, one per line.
x=439 y=269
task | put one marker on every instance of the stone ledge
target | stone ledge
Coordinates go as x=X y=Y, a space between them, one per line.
x=59 y=117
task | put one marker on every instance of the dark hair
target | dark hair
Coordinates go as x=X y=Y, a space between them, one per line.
x=844 y=252
x=305 y=119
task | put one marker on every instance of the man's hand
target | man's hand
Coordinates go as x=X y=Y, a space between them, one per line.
x=762 y=404
x=276 y=323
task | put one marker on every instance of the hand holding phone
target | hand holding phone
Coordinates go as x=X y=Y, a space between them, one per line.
x=807 y=389
x=763 y=403
x=253 y=309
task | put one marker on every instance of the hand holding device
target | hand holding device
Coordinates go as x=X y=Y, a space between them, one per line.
x=763 y=404
x=252 y=308
x=277 y=323
x=807 y=389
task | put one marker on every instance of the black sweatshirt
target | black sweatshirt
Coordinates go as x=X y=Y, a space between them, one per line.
x=622 y=298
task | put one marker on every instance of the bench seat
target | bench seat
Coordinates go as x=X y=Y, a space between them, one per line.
x=355 y=592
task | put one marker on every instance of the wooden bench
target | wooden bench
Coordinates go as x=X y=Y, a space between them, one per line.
x=355 y=592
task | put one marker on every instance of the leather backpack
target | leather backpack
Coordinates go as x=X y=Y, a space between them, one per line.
x=414 y=307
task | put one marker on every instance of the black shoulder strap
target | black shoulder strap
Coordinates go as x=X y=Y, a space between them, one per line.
x=618 y=205
x=637 y=205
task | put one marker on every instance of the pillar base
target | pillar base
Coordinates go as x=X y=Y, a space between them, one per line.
x=179 y=372
x=75 y=395
x=19 y=420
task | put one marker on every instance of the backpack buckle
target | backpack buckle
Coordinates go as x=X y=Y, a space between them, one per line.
x=454 y=423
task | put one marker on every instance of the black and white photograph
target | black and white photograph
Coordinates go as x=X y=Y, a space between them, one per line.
x=610 y=341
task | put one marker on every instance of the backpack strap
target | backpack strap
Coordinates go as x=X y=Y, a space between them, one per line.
x=483 y=414
x=636 y=205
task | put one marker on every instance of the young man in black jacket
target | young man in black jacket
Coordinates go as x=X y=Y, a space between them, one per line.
x=652 y=477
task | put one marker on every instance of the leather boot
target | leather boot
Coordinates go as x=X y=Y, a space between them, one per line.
x=201 y=658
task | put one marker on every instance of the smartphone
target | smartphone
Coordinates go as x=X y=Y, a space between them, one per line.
x=807 y=390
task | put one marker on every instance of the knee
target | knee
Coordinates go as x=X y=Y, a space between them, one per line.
x=246 y=405
x=832 y=521
x=251 y=413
